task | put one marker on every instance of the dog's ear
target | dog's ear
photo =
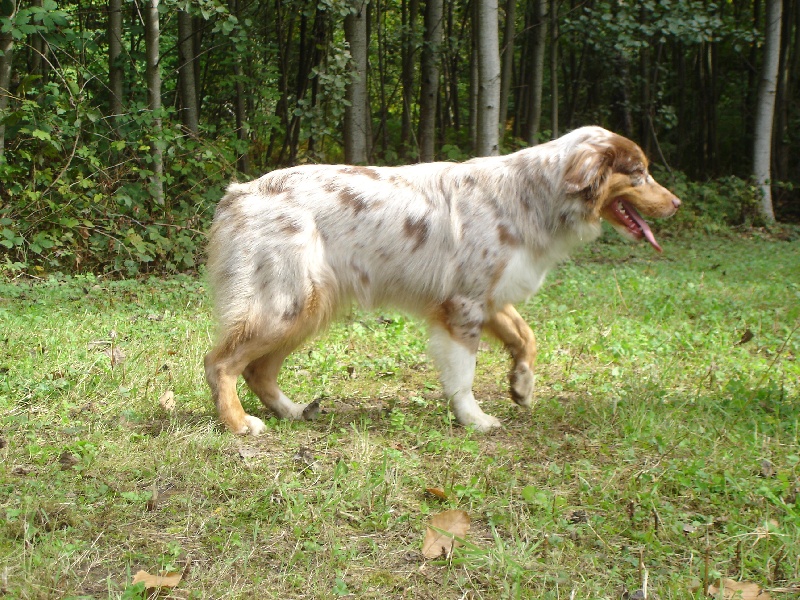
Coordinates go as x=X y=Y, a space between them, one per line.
x=588 y=168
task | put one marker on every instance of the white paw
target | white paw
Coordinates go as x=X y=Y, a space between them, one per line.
x=479 y=420
x=521 y=380
x=255 y=426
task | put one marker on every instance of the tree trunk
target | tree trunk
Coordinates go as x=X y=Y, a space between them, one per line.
x=115 y=73
x=765 y=108
x=153 y=77
x=489 y=77
x=7 y=48
x=537 y=72
x=410 y=12
x=356 y=113
x=508 y=60
x=243 y=161
x=188 y=87
x=554 y=68
x=429 y=85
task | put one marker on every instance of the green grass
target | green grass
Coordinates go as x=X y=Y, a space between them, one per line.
x=656 y=437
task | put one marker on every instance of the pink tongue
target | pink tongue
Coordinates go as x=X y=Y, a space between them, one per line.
x=648 y=235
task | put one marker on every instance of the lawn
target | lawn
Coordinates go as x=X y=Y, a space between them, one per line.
x=663 y=451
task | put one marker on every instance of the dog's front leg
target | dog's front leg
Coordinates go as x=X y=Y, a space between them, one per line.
x=453 y=345
x=511 y=329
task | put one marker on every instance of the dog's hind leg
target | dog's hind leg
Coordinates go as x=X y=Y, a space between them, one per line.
x=261 y=376
x=455 y=333
x=511 y=329
x=223 y=365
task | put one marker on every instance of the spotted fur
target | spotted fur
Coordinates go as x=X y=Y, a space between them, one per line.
x=457 y=243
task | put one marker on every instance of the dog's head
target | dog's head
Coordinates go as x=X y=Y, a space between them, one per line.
x=611 y=173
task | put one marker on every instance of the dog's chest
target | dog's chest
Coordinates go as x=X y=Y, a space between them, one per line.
x=522 y=277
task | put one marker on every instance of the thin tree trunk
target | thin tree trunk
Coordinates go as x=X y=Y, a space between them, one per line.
x=37 y=49
x=356 y=113
x=188 y=87
x=429 y=85
x=508 y=60
x=537 y=72
x=554 y=68
x=765 y=110
x=115 y=74
x=153 y=77
x=489 y=76
x=6 y=60
x=243 y=161
x=410 y=12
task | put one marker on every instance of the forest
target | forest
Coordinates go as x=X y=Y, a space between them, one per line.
x=122 y=122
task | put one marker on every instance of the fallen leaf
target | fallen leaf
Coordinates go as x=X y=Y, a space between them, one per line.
x=738 y=590
x=436 y=493
x=746 y=337
x=169 y=580
x=116 y=355
x=68 y=460
x=440 y=534
x=167 y=401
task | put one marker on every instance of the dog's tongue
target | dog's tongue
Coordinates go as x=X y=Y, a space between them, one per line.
x=648 y=235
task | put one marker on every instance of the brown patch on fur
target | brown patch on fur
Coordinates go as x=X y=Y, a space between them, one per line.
x=277 y=182
x=365 y=171
x=626 y=156
x=352 y=200
x=287 y=225
x=508 y=237
x=417 y=228
x=462 y=320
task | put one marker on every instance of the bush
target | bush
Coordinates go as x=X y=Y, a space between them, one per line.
x=74 y=193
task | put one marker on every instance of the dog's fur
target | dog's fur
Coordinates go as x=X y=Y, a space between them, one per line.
x=457 y=243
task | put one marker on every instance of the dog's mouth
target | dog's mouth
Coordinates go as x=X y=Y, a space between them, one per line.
x=627 y=216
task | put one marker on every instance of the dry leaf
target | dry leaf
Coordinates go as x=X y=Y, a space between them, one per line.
x=444 y=527
x=167 y=401
x=436 y=493
x=170 y=580
x=746 y=337
x=738 y=590
x=116 y=355
x=68 y=460
x=767 y=469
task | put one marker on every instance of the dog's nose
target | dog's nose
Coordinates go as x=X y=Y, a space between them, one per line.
x=676 y=202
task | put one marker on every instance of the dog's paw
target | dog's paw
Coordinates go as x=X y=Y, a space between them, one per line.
x=479 y=420
x=254 y=425
x=521 y=380
x=311 y=411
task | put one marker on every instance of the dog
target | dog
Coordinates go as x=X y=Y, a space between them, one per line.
x=455 y=243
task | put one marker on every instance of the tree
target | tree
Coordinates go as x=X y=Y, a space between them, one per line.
x=537 y=71
x=429 y=86
x=765 y=110
x=356 y=113
x=509 y=32
x=115 y=71
x=153 y=78
x=6 y=61
x=489 y=79
x=186 y=57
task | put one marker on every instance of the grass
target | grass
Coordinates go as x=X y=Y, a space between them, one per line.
x=663 y=441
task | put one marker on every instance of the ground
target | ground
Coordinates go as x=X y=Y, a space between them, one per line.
x=663 y=446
